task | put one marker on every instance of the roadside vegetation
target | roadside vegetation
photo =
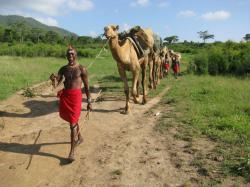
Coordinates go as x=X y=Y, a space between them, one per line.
x=216 y=107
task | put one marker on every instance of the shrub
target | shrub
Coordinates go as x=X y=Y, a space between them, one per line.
x=217 y=62
x=199 y=64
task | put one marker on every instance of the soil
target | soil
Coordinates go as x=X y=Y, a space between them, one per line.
x=118 y=149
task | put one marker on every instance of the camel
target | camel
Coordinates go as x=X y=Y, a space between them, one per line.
x=125 y=55
x=158 y=60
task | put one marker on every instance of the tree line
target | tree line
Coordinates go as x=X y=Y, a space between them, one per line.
x=20 y=40
x=204 y=35
x=20 y=33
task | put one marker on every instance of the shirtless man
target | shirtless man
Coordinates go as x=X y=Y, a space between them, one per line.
x=71 y=96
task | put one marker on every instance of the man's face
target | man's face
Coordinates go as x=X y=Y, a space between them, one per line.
x=71 y=56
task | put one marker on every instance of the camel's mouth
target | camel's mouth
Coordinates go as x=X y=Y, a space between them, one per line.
x=107 y=36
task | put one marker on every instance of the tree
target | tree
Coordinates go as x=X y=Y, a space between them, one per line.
x=8 y=35
x=82 y=40
x=36 y=35
x=19 y=31
x=52 y=37
x=205 y=36
x=171 y=39
x=1 y=33
x=247 y=37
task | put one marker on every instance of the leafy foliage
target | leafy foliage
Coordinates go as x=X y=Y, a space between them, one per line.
x=205 y=35
x=171 y=39
x=223 y=58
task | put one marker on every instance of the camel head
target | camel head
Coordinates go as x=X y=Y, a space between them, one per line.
x=111 y=31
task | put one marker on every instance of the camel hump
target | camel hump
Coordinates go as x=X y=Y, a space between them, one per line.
x=157 y=43
x=145 y=37
x=148 y=39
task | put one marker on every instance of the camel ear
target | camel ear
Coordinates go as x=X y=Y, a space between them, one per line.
x=117 y=27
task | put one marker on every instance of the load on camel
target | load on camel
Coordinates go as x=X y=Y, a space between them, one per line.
x=157 y=60
x=129 y=58
x=144 y=43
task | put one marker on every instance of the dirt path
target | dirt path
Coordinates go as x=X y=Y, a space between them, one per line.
x=118 y=150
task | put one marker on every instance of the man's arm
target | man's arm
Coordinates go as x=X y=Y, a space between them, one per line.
x=57 y=78
x=84 y=76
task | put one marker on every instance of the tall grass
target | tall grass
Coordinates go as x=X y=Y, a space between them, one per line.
x=20 y=72
x=17 y=72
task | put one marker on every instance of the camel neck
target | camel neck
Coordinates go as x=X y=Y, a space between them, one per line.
x=114 y=44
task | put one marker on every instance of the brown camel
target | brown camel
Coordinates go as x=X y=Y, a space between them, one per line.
x=157 y=70
x=125 y=55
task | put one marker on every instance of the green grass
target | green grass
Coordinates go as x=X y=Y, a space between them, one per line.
x=217 y=107
x=21 y=72
x=18 y=72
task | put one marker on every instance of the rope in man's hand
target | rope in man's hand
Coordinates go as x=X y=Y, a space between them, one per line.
x=88 y=112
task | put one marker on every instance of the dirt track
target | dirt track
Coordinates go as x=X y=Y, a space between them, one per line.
x=118 y=150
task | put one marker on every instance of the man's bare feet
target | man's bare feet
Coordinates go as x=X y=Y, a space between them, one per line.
x=71 y=157
x=79 y=140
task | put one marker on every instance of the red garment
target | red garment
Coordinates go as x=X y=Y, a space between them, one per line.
x=176 y=68
x=166 y=66
x=70 y=105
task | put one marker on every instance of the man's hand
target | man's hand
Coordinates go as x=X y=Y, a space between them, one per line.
x=53 y=78
x=89 y=107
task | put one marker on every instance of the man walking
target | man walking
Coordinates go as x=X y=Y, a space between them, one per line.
x=70 y=97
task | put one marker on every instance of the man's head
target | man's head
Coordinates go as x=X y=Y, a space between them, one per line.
x=71 y=55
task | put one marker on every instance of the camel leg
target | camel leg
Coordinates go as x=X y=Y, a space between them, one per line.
x=135 y=73
x=158 y=73
x=143 y=82
x=161 y=72
x=150 y=64
x=137 y=89
x=154 y=72
x=126 y=89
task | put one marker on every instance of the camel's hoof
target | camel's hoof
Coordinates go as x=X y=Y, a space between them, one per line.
x=144 y=101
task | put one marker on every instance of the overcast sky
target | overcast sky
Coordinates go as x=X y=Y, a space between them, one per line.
x=226 y=19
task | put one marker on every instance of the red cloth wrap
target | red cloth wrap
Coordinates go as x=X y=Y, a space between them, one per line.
x=176 y=68
x=166 y=66
x=70 y=105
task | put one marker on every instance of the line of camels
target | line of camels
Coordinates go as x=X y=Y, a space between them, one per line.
x=125 y=53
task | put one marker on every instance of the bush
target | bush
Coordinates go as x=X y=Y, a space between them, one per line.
x=41 y=49
x=217 y=62
x=199 y=64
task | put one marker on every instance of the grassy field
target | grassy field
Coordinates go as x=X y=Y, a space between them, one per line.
x=20 y=72
x=217 y=107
